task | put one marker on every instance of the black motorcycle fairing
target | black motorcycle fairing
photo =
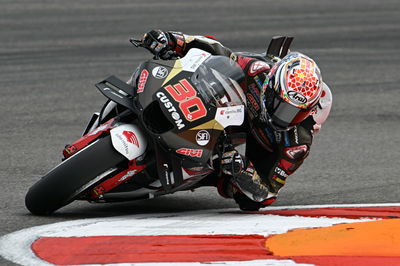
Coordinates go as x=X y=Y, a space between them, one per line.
x=168 y=117
x=178 y=109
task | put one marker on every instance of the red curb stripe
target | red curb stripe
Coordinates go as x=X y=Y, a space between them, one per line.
x=346 y=212
x=131 y=249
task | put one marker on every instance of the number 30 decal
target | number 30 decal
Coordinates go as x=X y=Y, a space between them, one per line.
x=191 y=106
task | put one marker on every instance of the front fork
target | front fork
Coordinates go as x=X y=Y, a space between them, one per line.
x=127 y=139
x=116 y=180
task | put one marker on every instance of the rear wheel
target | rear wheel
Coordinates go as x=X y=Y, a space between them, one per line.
x=72 y=177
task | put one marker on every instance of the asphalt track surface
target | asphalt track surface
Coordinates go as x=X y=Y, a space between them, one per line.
x=53 y=52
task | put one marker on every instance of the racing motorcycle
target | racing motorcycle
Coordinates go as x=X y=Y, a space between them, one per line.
x=162 y=132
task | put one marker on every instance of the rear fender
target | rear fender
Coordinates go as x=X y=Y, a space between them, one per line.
x=129 y=140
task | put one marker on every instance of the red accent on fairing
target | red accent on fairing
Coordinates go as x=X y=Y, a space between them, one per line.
x=195 y=173
x=116 y=180
x=210 y=37
x=88 y=138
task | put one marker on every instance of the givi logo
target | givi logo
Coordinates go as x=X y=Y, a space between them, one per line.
x=131 y=137
x=142 y=80
x=190 y=152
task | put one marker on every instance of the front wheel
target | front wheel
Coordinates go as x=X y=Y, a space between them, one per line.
x=72 y=177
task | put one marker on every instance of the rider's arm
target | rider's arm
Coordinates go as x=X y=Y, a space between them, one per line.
x=182 y=43
x=163 y=44
x=294 y=145
x=290 y=149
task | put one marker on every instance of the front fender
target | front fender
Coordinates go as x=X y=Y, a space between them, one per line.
x=129 y=140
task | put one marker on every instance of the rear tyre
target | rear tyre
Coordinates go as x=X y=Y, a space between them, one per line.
x=69 y=179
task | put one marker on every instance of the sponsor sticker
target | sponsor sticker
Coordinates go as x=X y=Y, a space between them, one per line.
x=193 y=59
x=230 y=116
x=160 y=72
x=252 y=101
x=131 y=137
x=142 y=80
x=297 y=97
x=231 y=110
x=203 y=137
x=191 y=106
x=281 y=172
x=190 y=152
x=197 y=61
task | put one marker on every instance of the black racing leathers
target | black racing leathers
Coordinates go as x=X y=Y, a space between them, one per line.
x=271 y=156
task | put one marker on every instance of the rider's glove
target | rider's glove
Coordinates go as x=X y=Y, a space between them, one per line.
x=244 y=175
x=159 y=43
x=232 y=162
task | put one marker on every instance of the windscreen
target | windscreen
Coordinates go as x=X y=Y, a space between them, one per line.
x=217 y=80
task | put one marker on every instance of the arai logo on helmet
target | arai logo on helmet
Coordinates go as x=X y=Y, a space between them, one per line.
x=297 y=97
x=160 y=72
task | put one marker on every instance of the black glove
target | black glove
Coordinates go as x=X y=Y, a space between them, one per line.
x=232 y=162
x=159 y=44
x=244 y=175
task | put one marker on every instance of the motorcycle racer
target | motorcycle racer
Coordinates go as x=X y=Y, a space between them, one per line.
x=287 y=103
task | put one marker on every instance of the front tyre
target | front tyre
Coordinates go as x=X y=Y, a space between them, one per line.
x=72 y=177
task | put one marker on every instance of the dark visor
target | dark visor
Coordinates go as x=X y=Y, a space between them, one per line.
x=283 y=115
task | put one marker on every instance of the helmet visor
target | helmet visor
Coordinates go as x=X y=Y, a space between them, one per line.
x=283 y=115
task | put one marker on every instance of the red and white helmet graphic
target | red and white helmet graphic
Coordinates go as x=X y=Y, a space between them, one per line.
x=298 y=80
x=295 y=87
